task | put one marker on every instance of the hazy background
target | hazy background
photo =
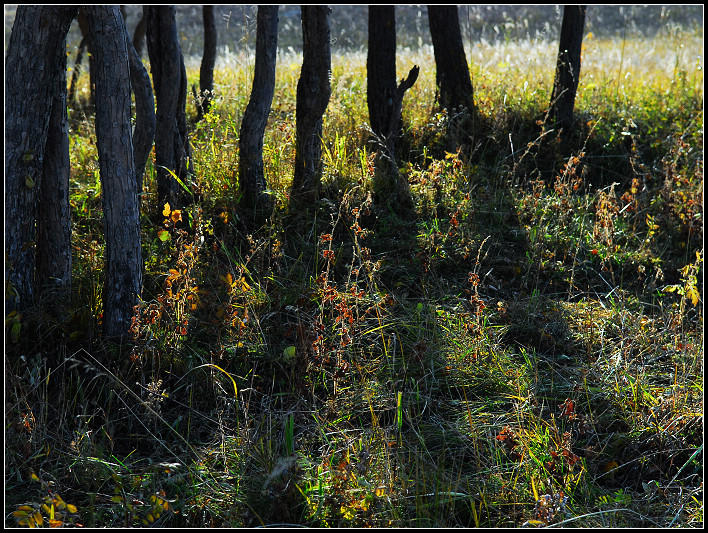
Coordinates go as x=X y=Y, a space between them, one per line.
x=236 y=25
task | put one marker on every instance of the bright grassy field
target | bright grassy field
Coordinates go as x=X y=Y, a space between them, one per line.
x=527 y=348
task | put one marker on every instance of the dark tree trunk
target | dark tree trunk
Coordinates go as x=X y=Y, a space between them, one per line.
x=145 y=122
x=251 y=175
x=568 y=66
x=381 y=67
x=385 y=101
x=139 y=34
x=54 y=216
x=172 y=149
x=390 y=188
x=83 y=26
x=206 y=71
x=123 y=268
x=313 y=92
x=31 y=61
x=452 y=75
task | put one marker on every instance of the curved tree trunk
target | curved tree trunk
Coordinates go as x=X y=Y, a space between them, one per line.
x=452 y=75
x=37 y=34
x=251 y=175
x=567 y=76
x=206 y=71
x=83 y=26
x=145 y=121
x=172 y=149
x=123 y=270
x=139 y=34
x=313 y=92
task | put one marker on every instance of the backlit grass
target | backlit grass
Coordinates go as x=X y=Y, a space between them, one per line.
x=526 y=348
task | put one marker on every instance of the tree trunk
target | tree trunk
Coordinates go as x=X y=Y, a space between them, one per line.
x=385 y=101
x=390 y=188
x=381 y=67
x=139 y=34
x=251 y=174
x=172 y=149
x=37 y=33
x=83 y=26
x=313 y=92
x=452 y=75
x=54 y=216
x=206 y=71
x=568 y=66
x=123 y=269
x=145 y=122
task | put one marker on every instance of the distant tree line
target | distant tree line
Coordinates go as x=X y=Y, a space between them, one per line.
x=37 y=216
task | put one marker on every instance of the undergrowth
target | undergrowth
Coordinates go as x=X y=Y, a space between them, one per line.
x=526 y=349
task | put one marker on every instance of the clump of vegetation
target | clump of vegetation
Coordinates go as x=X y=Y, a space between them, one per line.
x=525 y=349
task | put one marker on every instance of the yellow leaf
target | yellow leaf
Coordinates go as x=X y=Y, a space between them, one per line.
x=692 y=293
x=166 y=210
x=38 y=518
x=71 y=508
x=380 y=491
x=55 y=523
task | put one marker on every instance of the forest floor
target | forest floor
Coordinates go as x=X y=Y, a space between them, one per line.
x=526 y=348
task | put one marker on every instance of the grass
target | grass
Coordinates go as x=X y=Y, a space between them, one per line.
x=526 y=349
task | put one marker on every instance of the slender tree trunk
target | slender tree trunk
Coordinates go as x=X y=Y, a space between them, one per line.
x=145 y=121
x=390 y=188
x=452 y=75
x=83 y=26
x=251 y=174
x=139 y=34
x=313 y=92
x=37 y=33
x=123 y=270
x=381 y=67
x=567 y=76
x=206 y=71
x=385 y=101
x=172 y=149
x=54 y=216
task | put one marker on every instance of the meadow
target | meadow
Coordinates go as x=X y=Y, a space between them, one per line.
x=525 y=349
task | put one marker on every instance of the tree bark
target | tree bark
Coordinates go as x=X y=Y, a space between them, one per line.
x=251 y=174
x=139 y=34
x=31 y=61
x=381 y=67
x=452 y=75
x=567 y=75
x=83 y=26
x=206 y=71
x=145 y=121
x=390 y=188
x=313 y=92
x=172 y=149
x=123 y=268
x=54 y=216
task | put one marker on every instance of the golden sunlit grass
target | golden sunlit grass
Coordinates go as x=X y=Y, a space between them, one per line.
x=527 y=349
